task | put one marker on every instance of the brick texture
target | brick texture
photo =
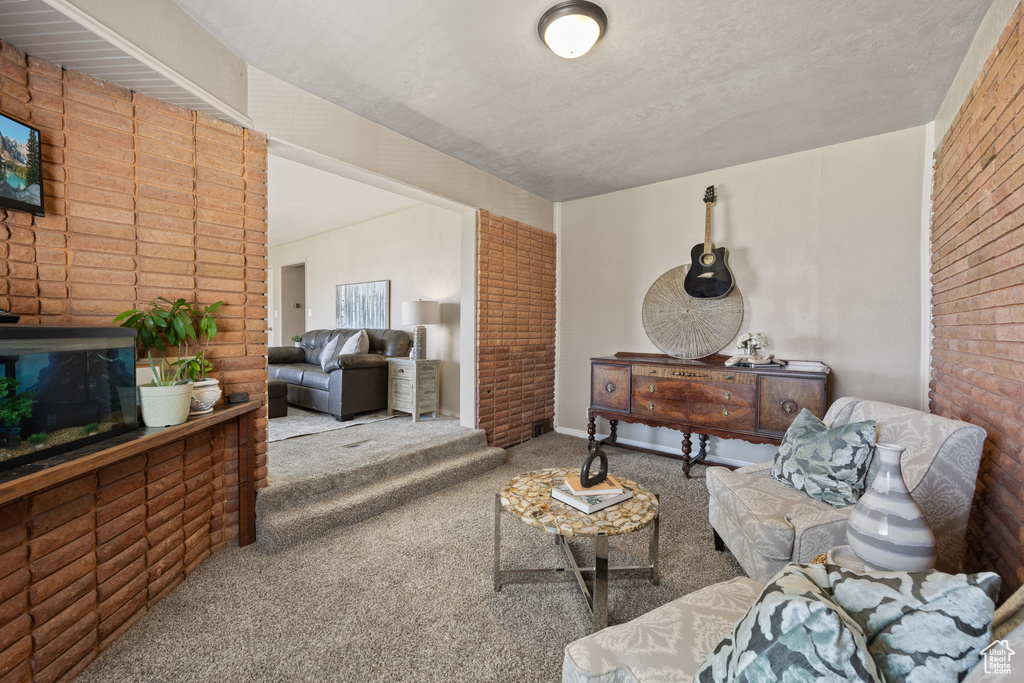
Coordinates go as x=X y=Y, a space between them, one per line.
x=515 y=323
x=143 y=199
x=83 y=561
x=977 y=242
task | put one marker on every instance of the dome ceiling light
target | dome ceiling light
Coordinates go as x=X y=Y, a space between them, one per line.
x=571 y=28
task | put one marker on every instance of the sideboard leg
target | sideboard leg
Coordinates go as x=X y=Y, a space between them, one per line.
x=686 y=452
x=591 y=429
x=703 y=452
x=719 y=543
x=613 y=425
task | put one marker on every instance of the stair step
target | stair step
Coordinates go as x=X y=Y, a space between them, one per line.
x=279 y=529
x=283 y=495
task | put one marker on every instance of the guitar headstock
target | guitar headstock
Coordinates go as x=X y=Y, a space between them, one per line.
x=709 y=195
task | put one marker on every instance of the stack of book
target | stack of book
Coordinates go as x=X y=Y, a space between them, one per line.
x=807 y=366
x=591 y=499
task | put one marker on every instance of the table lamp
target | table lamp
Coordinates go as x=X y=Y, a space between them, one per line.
x=420 y=313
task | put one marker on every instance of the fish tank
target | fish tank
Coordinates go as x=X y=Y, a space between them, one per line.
x=63 y=387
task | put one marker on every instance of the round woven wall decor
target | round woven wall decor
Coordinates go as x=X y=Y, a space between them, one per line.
x=685 y=326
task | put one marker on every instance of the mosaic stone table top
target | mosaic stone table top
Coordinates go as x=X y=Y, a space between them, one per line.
x=528 y=497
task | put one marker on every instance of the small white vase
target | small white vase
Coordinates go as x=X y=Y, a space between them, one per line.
x=887 y=528
x=205 y=393
x=165 y=406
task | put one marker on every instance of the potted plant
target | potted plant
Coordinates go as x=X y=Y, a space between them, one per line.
x=165 y=325
x=297 y=339
x=167 y=399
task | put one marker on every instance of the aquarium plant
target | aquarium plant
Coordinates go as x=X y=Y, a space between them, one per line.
x=91 y=428
x=164 y=324
x=14 y=407
x=40 y=437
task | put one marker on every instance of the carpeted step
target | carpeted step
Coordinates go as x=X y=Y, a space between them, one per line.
x=283 y=495
x=279 y=527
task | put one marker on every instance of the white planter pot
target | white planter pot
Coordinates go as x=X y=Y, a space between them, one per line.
x=204 y=395
x=165 y=406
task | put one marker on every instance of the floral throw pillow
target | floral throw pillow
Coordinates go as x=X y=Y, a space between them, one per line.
x=920 y=626
x=830 y=465
x=793 y=632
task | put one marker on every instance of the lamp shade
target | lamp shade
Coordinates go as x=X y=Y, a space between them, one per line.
x=571 y=28
x=421 y=312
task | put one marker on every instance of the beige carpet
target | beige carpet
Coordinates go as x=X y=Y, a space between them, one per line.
x=407 y=595
x=299 y=422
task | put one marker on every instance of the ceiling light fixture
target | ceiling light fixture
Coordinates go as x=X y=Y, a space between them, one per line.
x=571 y=28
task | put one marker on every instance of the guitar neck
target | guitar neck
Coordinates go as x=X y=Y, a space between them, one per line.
x=707 y=227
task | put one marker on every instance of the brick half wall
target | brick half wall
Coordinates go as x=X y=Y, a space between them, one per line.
x=977 y=242
x=515 y=326
x=143 y=199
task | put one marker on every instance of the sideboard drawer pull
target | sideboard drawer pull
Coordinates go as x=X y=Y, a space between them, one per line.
x=728 y=396
x=725 y=412
x=789 y=406
x=651 y=406
x=609 y=387
x=652 y=388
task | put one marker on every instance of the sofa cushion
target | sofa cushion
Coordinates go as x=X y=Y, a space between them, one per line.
x=315 y=378
x=829 y=465
x=795 y=631
x=769 y=515
x=356 y=343
x=919 y=626
x=666 y=644
x=285 y=354
x=291 y=373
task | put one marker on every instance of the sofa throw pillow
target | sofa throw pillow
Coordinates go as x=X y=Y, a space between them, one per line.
x=920 y=626
x=330 y=349
x=793 y=632
x=357 y=343
x=830 y=465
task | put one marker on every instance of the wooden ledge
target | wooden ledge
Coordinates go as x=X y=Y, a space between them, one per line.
x=67 y=466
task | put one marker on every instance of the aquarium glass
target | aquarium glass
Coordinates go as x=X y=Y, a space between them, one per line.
x=60 y=393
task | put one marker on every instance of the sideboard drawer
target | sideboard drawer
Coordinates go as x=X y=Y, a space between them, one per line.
x=780 y=400
x=696 y=373
x=694 y=402
x=609 y=387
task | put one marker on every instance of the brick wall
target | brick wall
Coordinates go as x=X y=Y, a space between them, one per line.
x=81 y=562
x=143 y=199
x=515 y=322
x=978 y=298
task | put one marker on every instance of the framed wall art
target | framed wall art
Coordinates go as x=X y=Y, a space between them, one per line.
x=364 y=305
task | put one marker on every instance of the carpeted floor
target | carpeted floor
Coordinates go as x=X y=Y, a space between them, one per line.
x=299 y=422
x=407 y=595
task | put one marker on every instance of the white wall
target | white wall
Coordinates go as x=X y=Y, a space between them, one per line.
x=825 y=246
x=418 y=250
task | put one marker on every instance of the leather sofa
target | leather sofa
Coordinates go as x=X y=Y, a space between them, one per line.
x=350 y=384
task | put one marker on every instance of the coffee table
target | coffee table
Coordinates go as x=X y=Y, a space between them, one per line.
x=527 y=497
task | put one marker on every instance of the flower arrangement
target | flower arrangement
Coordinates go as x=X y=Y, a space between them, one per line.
x=752 y=343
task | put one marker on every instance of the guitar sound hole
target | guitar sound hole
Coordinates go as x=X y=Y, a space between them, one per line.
x=707 y=259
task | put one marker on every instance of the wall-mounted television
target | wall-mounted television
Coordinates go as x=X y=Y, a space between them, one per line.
x=21 y=167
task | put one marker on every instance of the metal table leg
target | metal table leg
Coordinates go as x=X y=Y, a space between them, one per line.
x=497 y=542
x=600 y=604
x=652 y=555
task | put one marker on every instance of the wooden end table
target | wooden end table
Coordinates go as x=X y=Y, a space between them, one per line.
x=527 y=497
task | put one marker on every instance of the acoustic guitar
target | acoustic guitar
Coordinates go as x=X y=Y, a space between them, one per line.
x=709 y=276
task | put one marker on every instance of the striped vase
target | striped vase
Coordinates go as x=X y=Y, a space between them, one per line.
x=887 y=528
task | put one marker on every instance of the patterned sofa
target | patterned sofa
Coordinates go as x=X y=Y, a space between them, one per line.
x=670 y=642
x=767 y=524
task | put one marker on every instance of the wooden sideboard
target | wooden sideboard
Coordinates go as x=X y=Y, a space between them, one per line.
x=703 y=397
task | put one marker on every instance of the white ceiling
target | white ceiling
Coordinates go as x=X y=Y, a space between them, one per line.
x=674 y=88
x=303 y=201
x=41 y=31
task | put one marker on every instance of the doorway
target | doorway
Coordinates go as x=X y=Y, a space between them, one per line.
x=293 y=301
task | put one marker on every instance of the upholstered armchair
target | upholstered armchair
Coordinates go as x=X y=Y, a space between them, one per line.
x=767 y=524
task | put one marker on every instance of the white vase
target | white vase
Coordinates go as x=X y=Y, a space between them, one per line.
x=205 y=393
x=887 y=528
x=165 y=406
